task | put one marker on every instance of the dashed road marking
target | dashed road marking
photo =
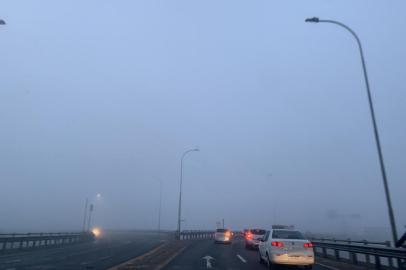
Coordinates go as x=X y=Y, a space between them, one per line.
x=328 y=267
x=241 y=258
x=13 y=261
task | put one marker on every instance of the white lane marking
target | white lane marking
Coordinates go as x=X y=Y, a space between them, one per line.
x=241 y=258
x=328 y=267
x=208 y=258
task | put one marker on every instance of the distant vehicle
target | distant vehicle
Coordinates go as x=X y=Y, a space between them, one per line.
x=286 y=247
x=252 y=238
x=223 y=236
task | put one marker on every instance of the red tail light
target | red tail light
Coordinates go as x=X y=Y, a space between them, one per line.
x=249 y=236
x=277 y=244
x=308 y=245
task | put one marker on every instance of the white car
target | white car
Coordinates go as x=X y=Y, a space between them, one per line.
x=286 y=247
x=223 y=236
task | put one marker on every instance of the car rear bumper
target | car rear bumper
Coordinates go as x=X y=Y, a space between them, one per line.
x=252 y=245
x=222 y=240
x=292 y=260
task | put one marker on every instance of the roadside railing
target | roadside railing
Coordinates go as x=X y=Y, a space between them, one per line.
x=15 y=241
x=351 y=242
x=195 y=235
x=377 y=254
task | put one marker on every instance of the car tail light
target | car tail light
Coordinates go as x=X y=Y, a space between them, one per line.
x=277 y=244
x=308 y=245
x=249 y=236
x=228 y=234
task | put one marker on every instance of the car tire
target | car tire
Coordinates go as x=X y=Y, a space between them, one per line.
x=261 y=260
x=268 y=262
x=270 y=265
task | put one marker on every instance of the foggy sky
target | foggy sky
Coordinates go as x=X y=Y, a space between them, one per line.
x=104 y=97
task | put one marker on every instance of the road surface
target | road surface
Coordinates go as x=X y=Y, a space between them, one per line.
x=225 y=257
x=106 y=252
x=124 y=250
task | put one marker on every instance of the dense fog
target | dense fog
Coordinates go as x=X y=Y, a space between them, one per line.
x=100 y=99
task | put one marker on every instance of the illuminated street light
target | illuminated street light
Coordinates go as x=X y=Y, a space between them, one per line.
x=89 y=209
x=375 y=126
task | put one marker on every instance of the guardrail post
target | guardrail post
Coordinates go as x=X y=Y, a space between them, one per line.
x=377 y=262
x=34 y=242
x=401 y=265
x=20 y=244
x=353 y=257
x=390 y=260
x=367 y=257
x=337 y=254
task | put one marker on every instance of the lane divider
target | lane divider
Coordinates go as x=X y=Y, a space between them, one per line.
x=137 y=258
x=166 y=262
x=241 y=258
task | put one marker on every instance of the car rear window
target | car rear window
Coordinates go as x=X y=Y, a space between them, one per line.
x=221 y=230
x=258 y=231
x=285 y=234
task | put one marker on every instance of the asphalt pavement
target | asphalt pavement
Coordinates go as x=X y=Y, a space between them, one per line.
x=112 y=249
x=222 y=257
x=157 y=251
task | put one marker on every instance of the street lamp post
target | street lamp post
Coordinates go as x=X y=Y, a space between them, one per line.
x=85 y=216
x=159 y=207
x=180 y=189
x=91 y=208
x=372 y=111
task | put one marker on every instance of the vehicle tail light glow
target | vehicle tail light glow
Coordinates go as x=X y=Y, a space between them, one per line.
x=249 y=236
x=228 y=234
x=308 y=245
x=277 y=244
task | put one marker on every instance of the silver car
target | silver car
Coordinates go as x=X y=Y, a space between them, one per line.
x=286 y=247
x=252 y=237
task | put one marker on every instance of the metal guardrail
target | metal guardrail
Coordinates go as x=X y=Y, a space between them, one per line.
x=16 y=241
x=362 y=253
x=349 y=241
x=195 y=235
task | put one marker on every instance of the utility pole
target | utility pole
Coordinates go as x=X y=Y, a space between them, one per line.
x=160 y=207
x=91 y=208
x=85 y=216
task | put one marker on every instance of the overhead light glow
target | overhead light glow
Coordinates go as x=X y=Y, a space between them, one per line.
x=97 y=232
